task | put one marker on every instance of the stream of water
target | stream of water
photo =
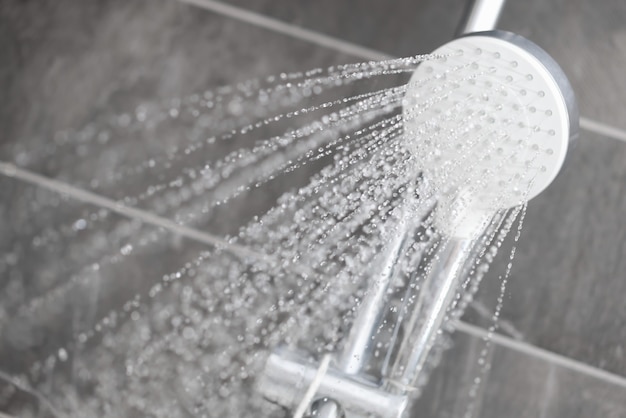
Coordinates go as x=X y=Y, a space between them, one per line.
x=294 y=185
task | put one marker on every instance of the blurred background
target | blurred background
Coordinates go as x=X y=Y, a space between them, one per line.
x=66 y=63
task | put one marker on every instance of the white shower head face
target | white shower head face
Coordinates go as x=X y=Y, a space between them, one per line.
x=488 y=122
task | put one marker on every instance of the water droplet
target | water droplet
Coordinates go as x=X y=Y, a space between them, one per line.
x=79 y=225
x=189 y=333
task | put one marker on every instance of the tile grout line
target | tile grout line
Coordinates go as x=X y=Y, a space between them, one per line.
x=359 y=51
x=546 y=355
x=11 y=170
x=602 y=129
x=293 y=31
x=504 y=325
x=27 y=389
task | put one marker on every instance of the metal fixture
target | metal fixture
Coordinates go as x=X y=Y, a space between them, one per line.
x=480 y=16
x=523 y=80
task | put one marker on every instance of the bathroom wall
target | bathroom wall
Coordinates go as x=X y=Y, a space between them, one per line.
x=64 y=62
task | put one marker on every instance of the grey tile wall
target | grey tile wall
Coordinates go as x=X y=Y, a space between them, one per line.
x=514 y=385
x=399 y=27
x=65 y=65
x=66 y=62
x=57 y=280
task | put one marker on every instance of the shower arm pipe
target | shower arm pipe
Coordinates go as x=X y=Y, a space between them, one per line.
x=424 y=324
x=480 y=16
x=358 y=348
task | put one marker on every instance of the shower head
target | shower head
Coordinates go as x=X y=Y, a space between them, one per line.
x=490 y=121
